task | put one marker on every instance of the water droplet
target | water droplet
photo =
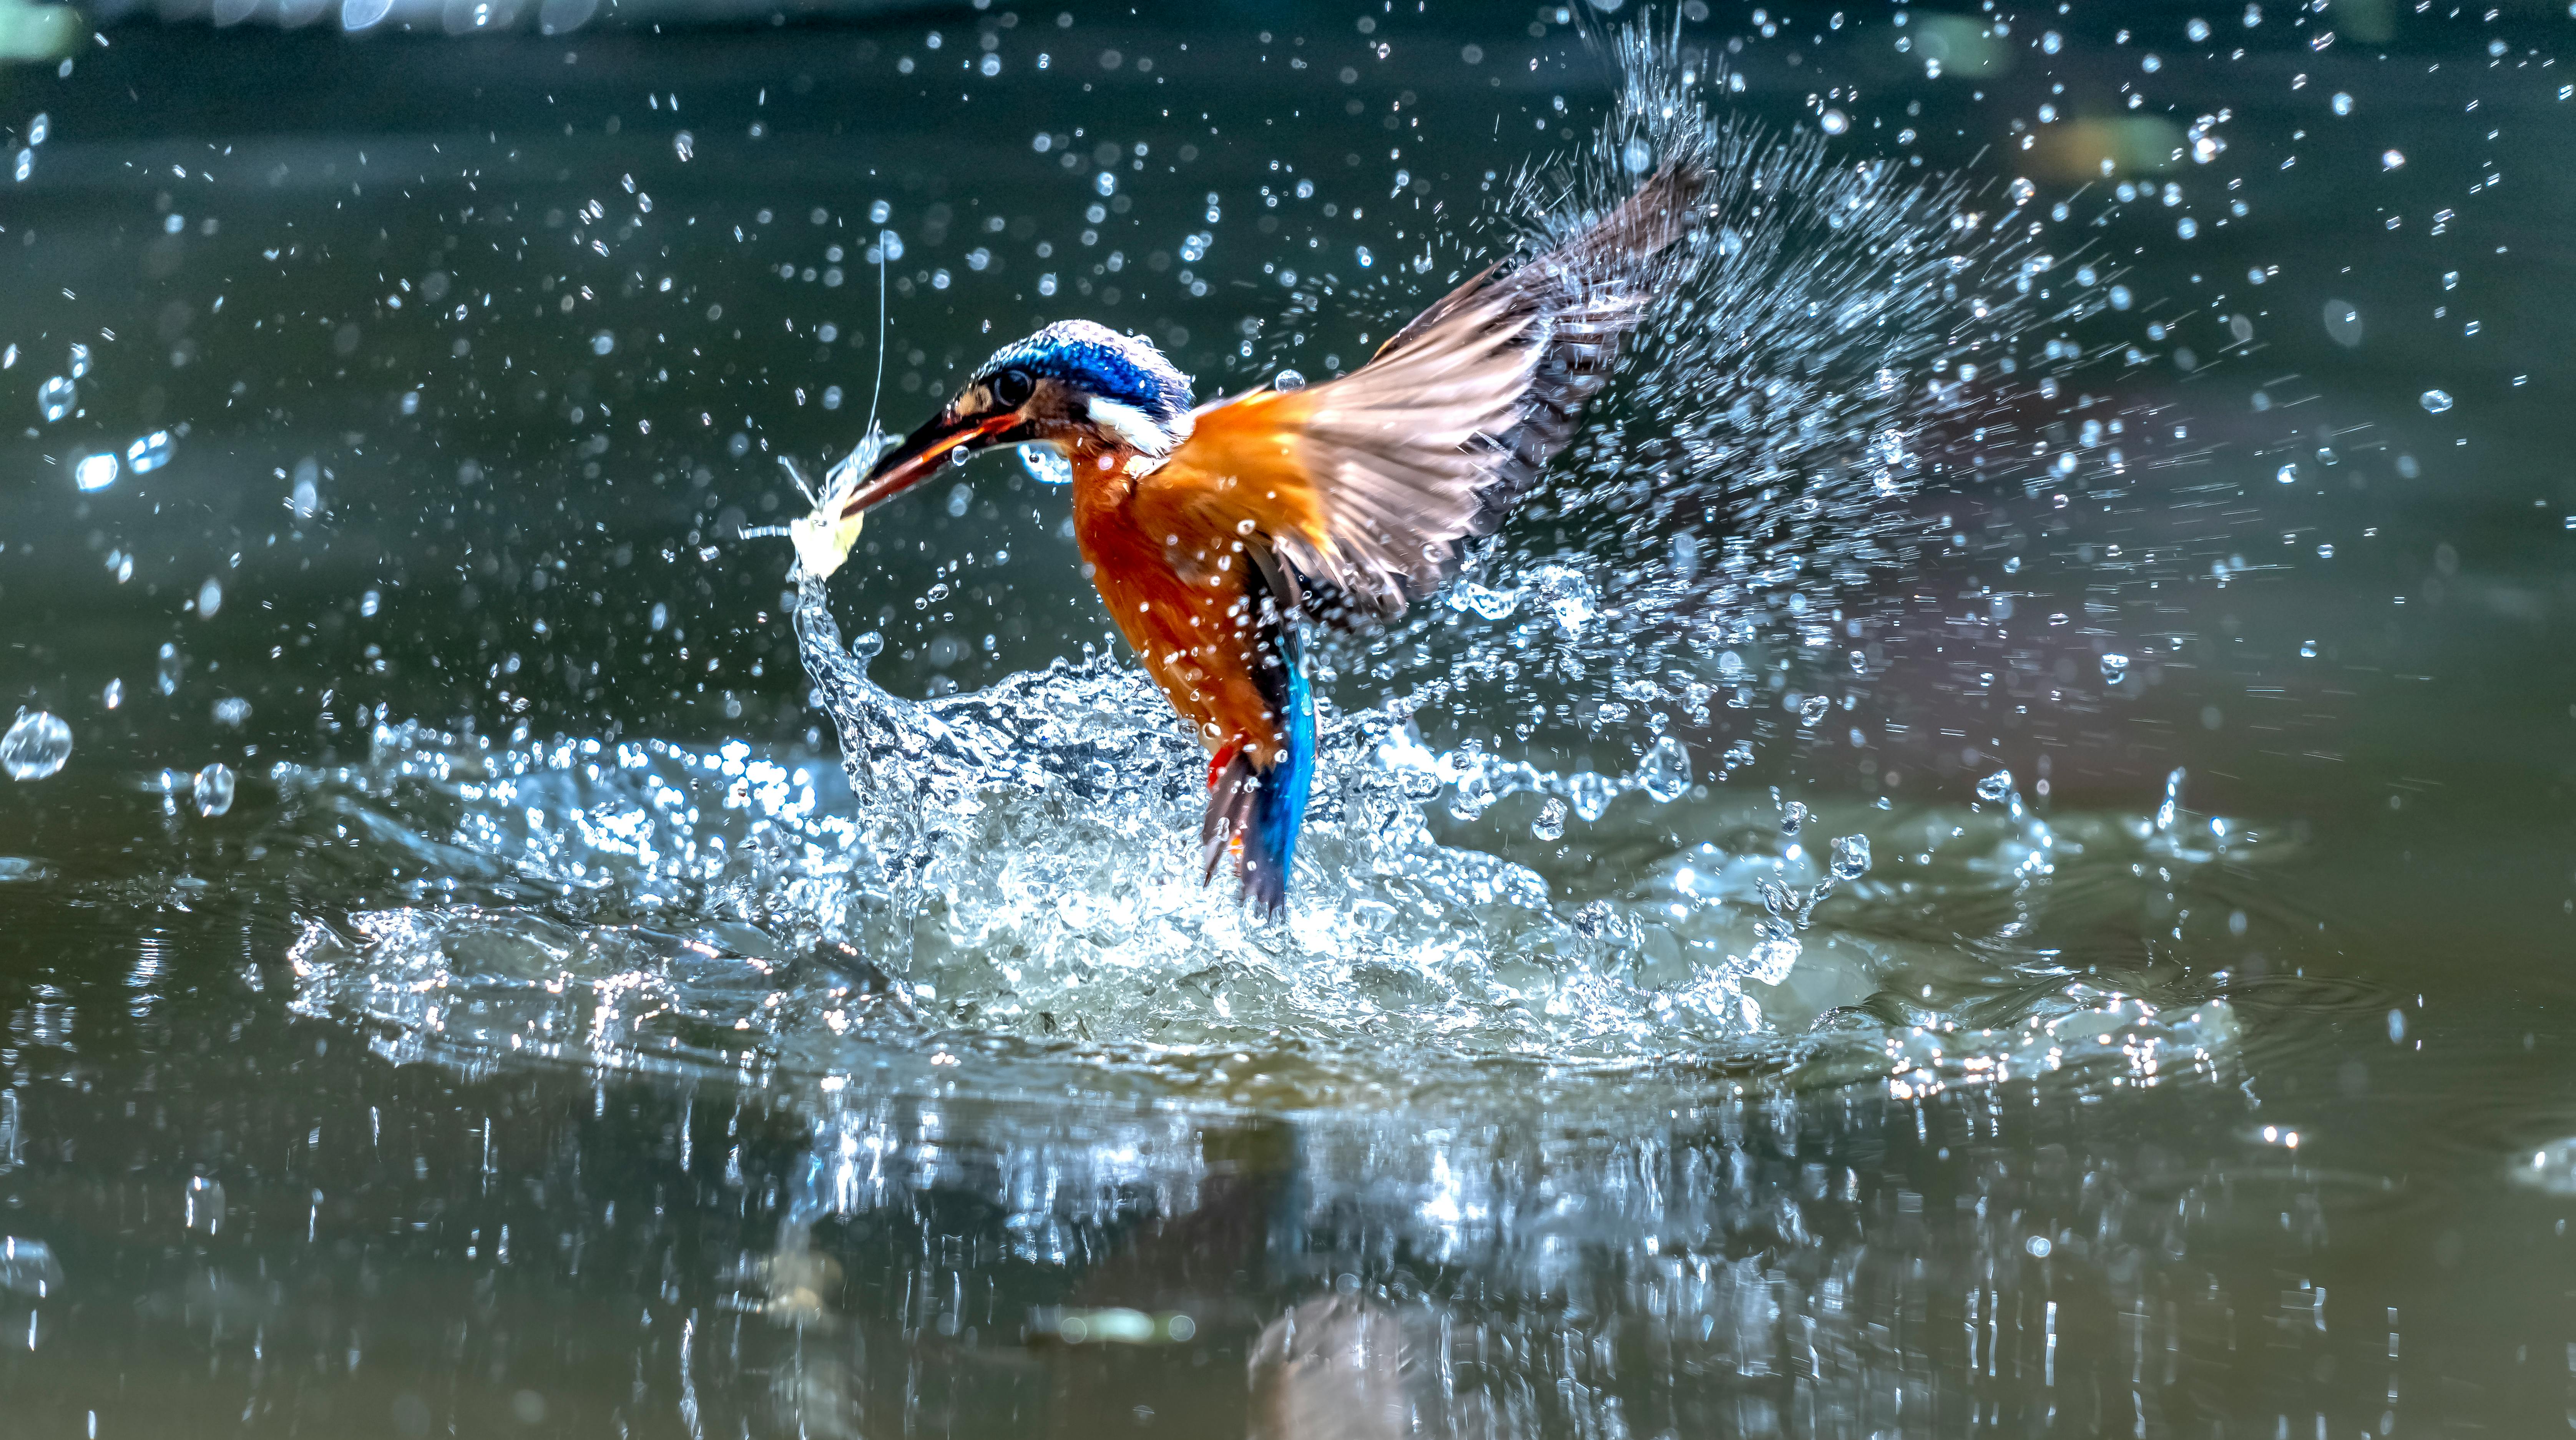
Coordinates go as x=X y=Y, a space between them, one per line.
x=370 y=603
x=113 y=695
x=1834 y=122
x=1288 y=380
x=2343 y=323
x=232 y=712
x=2022 y=191
x=1792 y=816
x=1859 y=663
x=214 y=789
x=2307 y=649
x=2437 y=401
x=1550 y=823
x=2342 y=103
x=1474 y=796
x=149 y=453
x=306 y=502
x=602 y=343
x=660 y=616
x=1772 y=960
x=39 y=128
x=1812 y=709
x=1665 y=772
x=2198 y=29
x=79 y=366
x=95 y=472
x=166 y=674
x=2115 y=668
x=26 y=165
x=210 y=598
x=1046 y=465
x=2391 y=159
x=1995 y=786
x=1739 y=753
x=38 y=745
x=1638 y=156
x=56 y=396
x=684 y=145
x=2287 y=475
x=1592 y=793
x=2120 y=297
x=1851 y=857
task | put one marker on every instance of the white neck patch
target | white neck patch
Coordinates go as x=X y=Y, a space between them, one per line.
x=1134 y=426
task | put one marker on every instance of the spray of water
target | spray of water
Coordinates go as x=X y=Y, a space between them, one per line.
x=1007 y=874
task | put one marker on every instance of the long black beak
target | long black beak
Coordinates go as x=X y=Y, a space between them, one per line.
x=921 y=454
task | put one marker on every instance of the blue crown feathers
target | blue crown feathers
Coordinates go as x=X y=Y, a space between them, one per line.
x=1100 y=361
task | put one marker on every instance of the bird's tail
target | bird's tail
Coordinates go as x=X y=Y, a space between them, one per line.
x=1254 y=809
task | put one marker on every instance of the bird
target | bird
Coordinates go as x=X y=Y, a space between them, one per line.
x=1216 y=533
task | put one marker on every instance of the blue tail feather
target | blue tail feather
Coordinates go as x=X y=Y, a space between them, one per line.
x=1279 y=804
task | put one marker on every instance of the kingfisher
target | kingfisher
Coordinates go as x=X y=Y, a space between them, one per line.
x=1216 y=532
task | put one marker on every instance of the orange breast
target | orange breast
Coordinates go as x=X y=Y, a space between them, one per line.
x=1197 y=639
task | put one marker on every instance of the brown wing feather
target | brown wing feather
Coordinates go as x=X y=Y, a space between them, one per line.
x=1437 y=437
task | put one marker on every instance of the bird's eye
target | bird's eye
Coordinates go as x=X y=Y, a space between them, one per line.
x=1012 y=388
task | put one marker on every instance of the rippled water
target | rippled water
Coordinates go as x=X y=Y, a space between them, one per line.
x=1988 y=856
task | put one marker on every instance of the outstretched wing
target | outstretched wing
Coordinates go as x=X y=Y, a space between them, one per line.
x=1366 y=487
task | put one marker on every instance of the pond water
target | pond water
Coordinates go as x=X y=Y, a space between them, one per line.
x=1989 y=854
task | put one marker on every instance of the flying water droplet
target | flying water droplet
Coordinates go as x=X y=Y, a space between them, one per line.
x=1851 y=857
x=1638 y=156
x=1046 y=465
x=1665 y=772
x=55 y=397
x=1834 y=122
x=1996 y=786
x=2287 y=475
x=2437 y=401
x=214 y=789
x=603 y=343
x=2115 y=668
x=95 y=472
x=2342 y=103
x=113 y=695
x=1772 y=959
x=1738 y=754
x=2198 y=29
x=684 y=145
x=79 y=366
x=1812 y=709
x=39 y=128
x=210 y=598
x=232 y=712
x=1592 y=793
x=149 y=453
x=2022 y=191
x=1288 y=380
x=2307 y=649
x=1550 y=822
x=2391 y=159
x=1792 y=816
x=26 y=165
x=39 y=744
x=166 y=673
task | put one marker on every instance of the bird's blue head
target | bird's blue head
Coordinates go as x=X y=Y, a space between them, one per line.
x=1074 y=384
